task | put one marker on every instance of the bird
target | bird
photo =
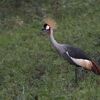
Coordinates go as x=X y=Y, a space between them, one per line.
x=73 y=55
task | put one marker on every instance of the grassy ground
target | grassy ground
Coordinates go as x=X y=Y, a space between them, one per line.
x=30 y=67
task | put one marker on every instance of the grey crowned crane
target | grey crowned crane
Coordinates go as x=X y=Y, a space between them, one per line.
x=75 y=56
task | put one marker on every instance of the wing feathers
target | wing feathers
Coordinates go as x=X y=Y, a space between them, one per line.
x=95 y=68
x=81 y=62
x=86 y=64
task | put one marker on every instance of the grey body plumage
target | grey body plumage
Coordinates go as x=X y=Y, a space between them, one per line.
x=64 y=48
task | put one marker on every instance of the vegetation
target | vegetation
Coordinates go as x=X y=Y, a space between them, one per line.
x=29 y=67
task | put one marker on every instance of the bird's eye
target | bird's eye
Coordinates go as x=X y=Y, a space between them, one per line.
x=47 y=27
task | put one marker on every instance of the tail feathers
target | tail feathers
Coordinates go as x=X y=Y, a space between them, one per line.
x=95 y=68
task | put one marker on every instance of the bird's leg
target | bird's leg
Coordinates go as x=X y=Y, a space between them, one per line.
x=81 y=73
x=76 y=76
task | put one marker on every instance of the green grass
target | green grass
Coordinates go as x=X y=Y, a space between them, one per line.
x=30 y=67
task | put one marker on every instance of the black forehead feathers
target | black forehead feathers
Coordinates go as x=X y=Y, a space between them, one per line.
x=45 y=25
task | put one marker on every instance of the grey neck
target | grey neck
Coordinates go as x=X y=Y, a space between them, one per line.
x=53 y=41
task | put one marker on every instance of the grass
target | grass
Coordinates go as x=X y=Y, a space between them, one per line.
x=30 y=67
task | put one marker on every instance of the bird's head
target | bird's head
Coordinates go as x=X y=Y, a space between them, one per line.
x=49 y=24
x=46 y=28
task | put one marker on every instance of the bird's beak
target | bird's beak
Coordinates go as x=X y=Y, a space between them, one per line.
x=43 y=31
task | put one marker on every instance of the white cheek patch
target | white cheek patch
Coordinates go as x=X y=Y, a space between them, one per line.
x=47 y=27
x=81 y=62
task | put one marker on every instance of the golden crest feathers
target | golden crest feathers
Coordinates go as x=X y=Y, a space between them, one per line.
x=50 y=22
